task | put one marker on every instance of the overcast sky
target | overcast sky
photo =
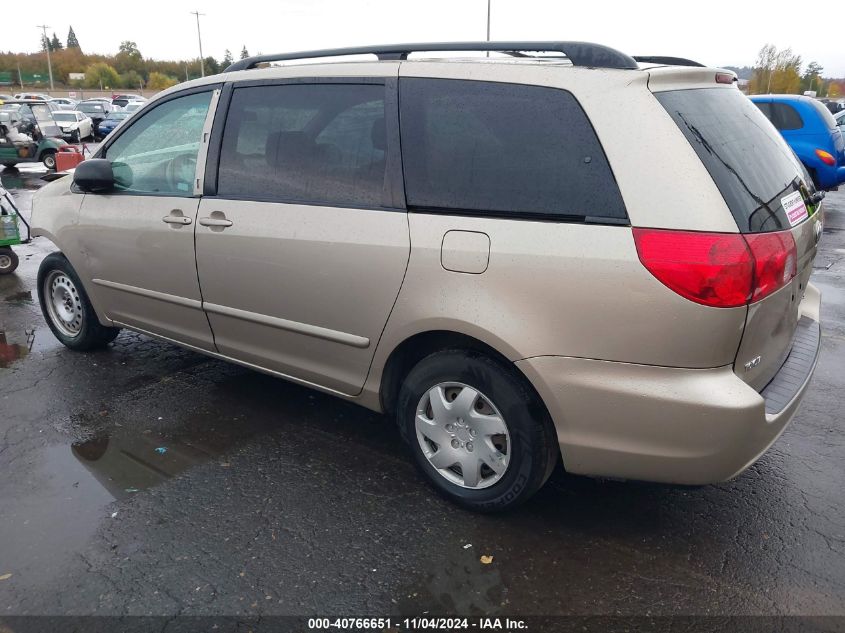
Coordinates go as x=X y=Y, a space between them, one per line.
x=719 y=32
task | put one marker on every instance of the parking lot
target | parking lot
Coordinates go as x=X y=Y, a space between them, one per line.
x=150 y=480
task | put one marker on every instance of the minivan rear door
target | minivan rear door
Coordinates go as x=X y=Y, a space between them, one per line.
x=763 y=185
x=303 y=243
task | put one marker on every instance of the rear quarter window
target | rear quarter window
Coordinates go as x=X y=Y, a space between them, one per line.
x=480 y=148
x=747 y=158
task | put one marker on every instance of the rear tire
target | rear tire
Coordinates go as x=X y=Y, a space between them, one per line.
x=8 y=260
x=49 y=159
x=500 y=426
x=67 y=308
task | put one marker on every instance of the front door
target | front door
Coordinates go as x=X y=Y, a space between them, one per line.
x=138 y=240
x=302 y=252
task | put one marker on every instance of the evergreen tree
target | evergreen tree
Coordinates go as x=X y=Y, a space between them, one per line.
x=55 y=44
x=244 y=53
x=72 y=42
x=45 y=43
x=227 y=59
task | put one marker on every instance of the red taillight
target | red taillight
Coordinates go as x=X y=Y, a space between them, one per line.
x=827 y=158
x=775 y=261
x=723 y=270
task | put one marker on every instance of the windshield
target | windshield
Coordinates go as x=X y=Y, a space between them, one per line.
x=42 y=112
x=119 y=116
x=64 y=117
x=90 y=107
x=751 y=164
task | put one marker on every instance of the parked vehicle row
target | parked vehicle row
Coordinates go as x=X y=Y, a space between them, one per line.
x=484 y=249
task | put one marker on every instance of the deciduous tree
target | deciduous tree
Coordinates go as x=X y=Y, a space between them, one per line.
x=101 y=75
x=159 y=81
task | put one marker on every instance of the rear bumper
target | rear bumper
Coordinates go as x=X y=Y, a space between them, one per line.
x=685 y=426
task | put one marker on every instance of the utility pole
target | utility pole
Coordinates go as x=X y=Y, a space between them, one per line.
x=488 y=24
x=44 y=28
x=199 y=38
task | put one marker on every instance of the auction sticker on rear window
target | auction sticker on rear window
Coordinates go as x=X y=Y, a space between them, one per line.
x=793 y=204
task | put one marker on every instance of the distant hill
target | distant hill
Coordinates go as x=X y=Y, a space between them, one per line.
x=742 y=72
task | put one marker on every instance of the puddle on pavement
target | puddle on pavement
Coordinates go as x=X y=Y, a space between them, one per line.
x=11 y=351
x=68 y=493
x=458 y=586
x=126 y=464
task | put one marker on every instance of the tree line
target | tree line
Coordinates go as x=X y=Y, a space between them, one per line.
x=128 y=68
x=779 y=72
x=775 y=71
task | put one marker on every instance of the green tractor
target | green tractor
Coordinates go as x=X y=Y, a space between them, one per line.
x=26 y=141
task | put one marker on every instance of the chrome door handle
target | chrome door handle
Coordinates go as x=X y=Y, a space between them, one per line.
x=176 y=219
x=221 y=222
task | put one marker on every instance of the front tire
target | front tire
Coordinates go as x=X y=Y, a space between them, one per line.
x=476 y=430
x=8 y=260
x=67 y=308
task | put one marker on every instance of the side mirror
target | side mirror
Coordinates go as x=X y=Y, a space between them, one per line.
x=94 y=176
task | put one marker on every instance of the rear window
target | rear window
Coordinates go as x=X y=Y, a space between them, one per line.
x=502 y=149
x=749 y=161
x=824 y=113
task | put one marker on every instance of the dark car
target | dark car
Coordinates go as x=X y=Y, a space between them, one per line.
x=111 y=122
x=96 y=110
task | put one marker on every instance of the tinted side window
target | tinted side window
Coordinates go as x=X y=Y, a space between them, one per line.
x=502 y=148
x=785 y=117
x=311 y=143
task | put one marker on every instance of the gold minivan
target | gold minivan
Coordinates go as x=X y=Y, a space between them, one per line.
x=522 y=258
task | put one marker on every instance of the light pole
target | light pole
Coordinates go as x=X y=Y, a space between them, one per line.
x=488 y=24
x=44 y=28
x=199 y=38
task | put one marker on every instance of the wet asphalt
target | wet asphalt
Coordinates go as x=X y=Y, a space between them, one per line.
x=150 y=480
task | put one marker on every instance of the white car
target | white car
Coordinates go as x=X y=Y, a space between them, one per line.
x=37 y=96
x=133 y=106
x=75 y=125
x=65 y=103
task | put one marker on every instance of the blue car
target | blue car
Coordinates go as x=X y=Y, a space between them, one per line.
x=811 y=131
x=110 y=122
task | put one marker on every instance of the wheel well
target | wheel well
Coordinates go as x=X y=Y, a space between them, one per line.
x=412 y=350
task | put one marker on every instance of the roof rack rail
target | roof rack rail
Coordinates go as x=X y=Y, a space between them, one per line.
x=667 y=61
x=579 y=53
